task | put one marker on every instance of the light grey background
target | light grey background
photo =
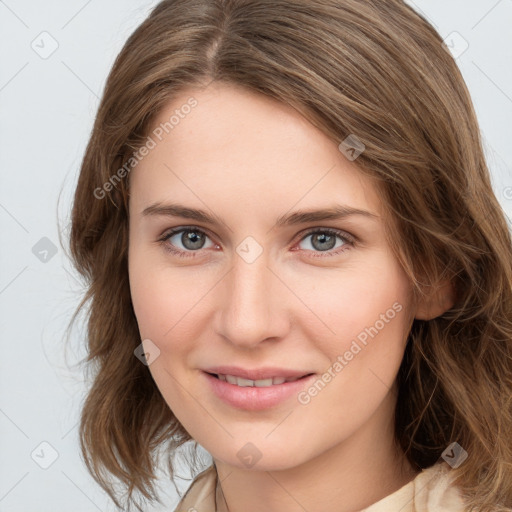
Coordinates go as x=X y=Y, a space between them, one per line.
x=47 y=107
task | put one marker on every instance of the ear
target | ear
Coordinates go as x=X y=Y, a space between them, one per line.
x=437 y=302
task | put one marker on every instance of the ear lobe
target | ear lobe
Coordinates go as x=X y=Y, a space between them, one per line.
x=440 y=300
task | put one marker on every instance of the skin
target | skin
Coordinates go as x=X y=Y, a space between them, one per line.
x=249 y=160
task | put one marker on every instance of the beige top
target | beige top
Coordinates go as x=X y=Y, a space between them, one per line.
x=430 y=491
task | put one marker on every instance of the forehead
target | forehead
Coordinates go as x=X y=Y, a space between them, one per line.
x=225 y=142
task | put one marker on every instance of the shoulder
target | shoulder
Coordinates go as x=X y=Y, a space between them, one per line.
x=434 y=490
x=431 y=491
x=200 y=496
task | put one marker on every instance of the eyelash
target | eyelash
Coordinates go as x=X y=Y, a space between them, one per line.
x=349 y=241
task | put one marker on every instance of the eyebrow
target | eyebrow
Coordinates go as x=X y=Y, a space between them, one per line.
x=335 y=212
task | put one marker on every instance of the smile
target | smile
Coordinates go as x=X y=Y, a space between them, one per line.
x=261 y=383
x=255 y=395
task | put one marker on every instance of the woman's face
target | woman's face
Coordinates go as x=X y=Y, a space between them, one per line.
x=263 y=289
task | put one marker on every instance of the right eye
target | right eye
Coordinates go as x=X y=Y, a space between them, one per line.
x=191 y=238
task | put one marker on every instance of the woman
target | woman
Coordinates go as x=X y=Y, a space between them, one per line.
x=297 y=261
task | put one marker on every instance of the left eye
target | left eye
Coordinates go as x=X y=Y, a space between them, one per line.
x=325 y=240
x=193 y=240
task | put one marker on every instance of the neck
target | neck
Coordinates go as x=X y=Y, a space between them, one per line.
x=350 y=476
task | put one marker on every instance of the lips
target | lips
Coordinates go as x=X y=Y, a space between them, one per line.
x=244 y=395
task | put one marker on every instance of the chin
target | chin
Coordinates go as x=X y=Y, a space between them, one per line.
x=277 y=460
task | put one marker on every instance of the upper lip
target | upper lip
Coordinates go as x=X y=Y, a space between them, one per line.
x=257 y=373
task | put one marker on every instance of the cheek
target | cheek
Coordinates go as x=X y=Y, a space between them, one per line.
x=159 y=303
x=367 y=311
x=167 y=301
x=360 y=302
x=163 y=301
x=148 y=297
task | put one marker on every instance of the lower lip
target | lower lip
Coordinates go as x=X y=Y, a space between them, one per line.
x=253 y=398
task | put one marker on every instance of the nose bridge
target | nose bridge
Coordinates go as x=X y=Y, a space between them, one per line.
x=249 y=312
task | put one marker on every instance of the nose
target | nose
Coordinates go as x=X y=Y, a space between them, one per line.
x=252 y=304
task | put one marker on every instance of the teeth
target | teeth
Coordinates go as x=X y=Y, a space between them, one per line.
x=244 y=382
x=231 y=379
x=262 y=383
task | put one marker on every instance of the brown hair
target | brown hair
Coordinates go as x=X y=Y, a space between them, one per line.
x=379 y=71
